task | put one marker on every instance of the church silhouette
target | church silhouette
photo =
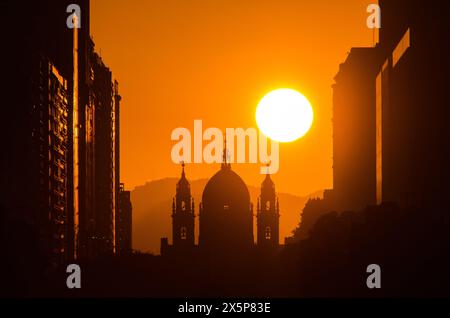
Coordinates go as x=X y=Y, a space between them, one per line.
x=225 y=218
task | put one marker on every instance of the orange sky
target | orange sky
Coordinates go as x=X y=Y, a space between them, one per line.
x=180 y=60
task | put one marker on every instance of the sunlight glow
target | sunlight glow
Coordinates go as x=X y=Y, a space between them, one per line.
x=284 y=115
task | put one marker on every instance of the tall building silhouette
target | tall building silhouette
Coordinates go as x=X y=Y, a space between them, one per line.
x=390 y=111
x=354 y=137
x=99 y=158
x=51 y=157
x=124 y=222
x=38 y=59
x=106 y=188
x=412 y=103
x=86 y=156
x=122 y=199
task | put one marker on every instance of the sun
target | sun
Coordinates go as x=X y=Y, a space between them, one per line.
x=284 y=115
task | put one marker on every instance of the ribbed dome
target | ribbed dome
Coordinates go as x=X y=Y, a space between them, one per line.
x=226 y=188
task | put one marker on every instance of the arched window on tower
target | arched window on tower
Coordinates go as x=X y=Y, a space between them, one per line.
x=268 y=205
x=268 y=233
x=183 y=233
x=183 y=205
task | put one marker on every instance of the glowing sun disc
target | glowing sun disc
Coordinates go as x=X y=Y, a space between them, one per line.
x=284 y=115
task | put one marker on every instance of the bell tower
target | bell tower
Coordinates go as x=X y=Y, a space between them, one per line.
x=268 y=216
x=183 y=215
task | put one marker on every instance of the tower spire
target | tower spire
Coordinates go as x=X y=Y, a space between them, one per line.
x=183 y=227
x=183 y=175
x=225 y=164
x=268 y=214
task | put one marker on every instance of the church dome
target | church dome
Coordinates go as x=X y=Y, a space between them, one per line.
x=226 y=216
x=226 y=188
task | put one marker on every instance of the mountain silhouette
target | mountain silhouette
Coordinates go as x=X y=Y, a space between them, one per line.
x=152 y=208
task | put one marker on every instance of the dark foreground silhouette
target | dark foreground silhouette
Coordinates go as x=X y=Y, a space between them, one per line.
x=411 y=246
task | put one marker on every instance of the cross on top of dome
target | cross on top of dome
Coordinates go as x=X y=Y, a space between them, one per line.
x=226 y=155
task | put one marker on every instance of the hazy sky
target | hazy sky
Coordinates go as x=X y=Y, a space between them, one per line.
x=180 y=60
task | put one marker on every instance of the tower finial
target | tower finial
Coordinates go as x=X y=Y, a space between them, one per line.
x=182 y=168
x=225 y=164
x=268 y=163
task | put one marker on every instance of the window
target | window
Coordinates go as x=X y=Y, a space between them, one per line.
x=183 y=205
x=226 y=207
x=183 y=233
x=268 y=205
x=268 y=233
